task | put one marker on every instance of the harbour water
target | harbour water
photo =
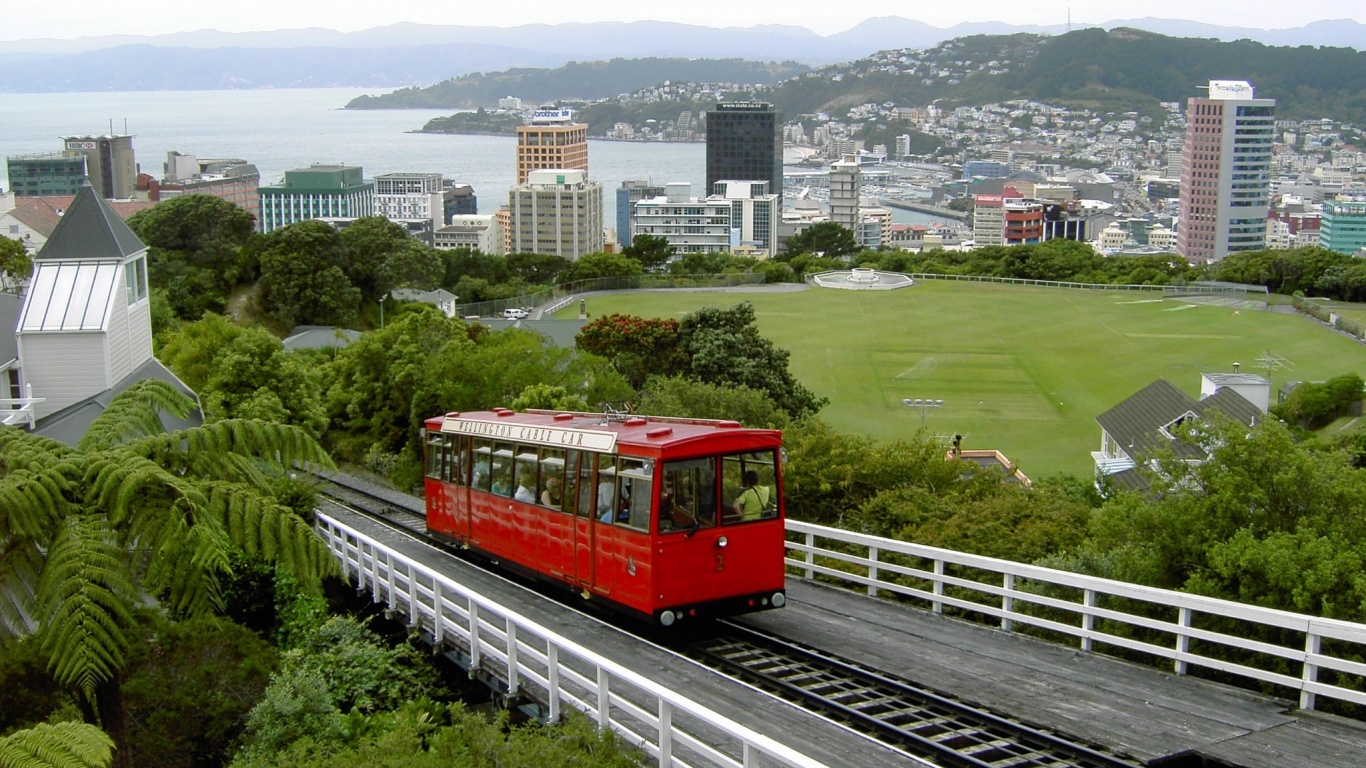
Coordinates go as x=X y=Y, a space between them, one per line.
x=290 y=128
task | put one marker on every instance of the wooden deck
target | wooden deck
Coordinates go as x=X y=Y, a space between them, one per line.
x=1153 y=717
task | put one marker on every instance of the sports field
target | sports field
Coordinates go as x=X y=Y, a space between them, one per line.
x=1020 y=369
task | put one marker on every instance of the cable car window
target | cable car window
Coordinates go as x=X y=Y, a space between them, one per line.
x=453 y=449
x=434 y=445
x=635 y=493
x=606 y=495
x=550 y=491
x=569 y=494
x=502 y=469
x=482 y=475
x=525 y=479
x=587 y=505
x=687 y=495
x=749 y=483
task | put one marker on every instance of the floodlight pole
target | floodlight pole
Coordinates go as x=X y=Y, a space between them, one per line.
x=381 y=310
x=924 y=405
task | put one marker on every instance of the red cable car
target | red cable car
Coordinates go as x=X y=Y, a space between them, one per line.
x=666 y=519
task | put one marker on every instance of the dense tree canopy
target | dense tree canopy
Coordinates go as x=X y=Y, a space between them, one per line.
x=14 y=259
x=723 y=346
x=826 y=237
x=244 y=372
x=651 y=251
x=303 y=276
x=195 y=251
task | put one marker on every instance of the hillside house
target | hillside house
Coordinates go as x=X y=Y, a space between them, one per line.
x=1136 y=430
x=83 y=331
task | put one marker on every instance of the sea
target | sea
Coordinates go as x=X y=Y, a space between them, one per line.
x=281 y=129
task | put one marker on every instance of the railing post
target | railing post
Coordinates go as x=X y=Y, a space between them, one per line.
x=810 y=555
x=938 y=585
x=1313 y=643
x=604 y=703
x=438 y=617
x=1183 y=640
x=412 y=597
x=552 y=680
x=1008 y=602
x=872 y=571
x=666 y=734
x=512 y=656
x=474 y=637
x=1088 y=621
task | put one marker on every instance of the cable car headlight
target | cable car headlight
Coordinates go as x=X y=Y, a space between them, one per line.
x=779 y=600
x=667 y=618
x=722 y=542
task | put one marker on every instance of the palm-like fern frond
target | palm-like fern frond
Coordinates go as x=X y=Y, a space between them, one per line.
x=270 y=531
x=57 y=745
x=83 y=599
x=136 y=412
x=280 y=444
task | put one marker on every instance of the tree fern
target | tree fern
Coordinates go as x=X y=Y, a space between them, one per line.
x=83 y=604
x=136 y=412
x=57 y=745
x=134 y=514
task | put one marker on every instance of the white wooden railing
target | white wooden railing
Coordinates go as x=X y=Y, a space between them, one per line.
x=1092 y=609
x=531 y=660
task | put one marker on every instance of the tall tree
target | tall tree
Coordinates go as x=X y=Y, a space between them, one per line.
x=651 y=251
x=638 y=347
x=826 y=237
x=14 y=259
x=302 y=276
x=723 y=346
x=133 y=514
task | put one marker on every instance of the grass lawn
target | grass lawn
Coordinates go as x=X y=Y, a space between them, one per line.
x=1020 y=369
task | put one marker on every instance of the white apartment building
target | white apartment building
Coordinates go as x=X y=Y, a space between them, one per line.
x=410 y=197
x=690 y=224
x=755 y=212
x=477 y=232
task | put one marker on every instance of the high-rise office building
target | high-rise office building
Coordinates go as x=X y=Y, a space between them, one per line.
x=1225 y=172
x=629 y=193
x=553 y=141
x=557 y=212
x=317 y=192
x=745 y=143
x=845 y=177
x=109 y=163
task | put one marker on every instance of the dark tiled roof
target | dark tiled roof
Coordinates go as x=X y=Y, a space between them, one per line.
x=43 y=214
x=1232 y=405
x=560 y=333
x=318 y=337
x=1136 y=423
x=90 y=229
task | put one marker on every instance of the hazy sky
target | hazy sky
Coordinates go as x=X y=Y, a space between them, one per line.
x=81 y=18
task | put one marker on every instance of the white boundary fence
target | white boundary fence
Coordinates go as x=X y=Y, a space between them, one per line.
x=533 y=661
x=1016 y=593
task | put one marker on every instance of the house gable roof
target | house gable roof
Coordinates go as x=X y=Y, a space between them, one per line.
x=1137 y=423
x=90 y=229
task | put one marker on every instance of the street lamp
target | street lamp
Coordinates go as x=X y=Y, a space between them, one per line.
x=924 y=405
x=381 y=310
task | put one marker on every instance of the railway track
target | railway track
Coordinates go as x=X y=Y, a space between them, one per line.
x=893 y=711
x=890 y=710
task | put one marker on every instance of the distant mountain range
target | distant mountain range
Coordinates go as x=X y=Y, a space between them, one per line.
x=409 y=54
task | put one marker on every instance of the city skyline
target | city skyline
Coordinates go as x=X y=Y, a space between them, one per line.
x=84 y=18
